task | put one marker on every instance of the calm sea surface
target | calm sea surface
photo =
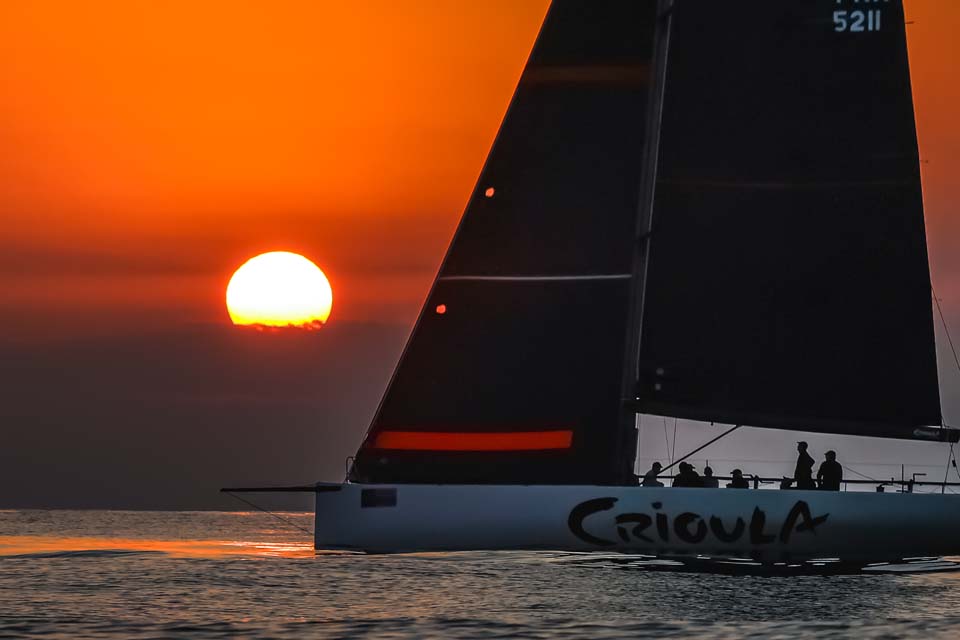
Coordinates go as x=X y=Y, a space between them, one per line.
x=98 y=574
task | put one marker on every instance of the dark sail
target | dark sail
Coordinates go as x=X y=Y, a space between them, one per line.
x=788 y=283
x=514 y=370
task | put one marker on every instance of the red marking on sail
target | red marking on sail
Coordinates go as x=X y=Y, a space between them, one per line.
x=447 y=441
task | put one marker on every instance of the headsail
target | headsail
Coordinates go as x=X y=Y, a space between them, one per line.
x=788 y=284
x=513 y=373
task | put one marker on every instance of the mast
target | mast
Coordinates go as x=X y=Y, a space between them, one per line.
x=627 y=442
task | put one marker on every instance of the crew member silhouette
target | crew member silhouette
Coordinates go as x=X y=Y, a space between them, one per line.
x=687 y=477
x=804 y=471
x=830 y=473
x=650 y=477
x=738 y=481
x=708 y=480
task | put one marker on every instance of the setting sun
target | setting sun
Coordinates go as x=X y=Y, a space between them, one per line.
x=279 y=289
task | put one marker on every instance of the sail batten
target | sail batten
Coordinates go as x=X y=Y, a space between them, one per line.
x=787 y=184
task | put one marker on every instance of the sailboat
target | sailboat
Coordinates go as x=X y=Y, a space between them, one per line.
x=694 y=209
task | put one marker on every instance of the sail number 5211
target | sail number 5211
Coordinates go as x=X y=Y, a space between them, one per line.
x=856 y=21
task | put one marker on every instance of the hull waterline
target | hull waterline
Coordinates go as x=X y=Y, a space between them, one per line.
x=767 y=526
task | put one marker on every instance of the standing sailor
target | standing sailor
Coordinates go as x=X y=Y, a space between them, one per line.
x=803 y=474
x=830 y=473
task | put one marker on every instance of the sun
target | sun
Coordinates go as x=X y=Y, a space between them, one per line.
x=279 y=289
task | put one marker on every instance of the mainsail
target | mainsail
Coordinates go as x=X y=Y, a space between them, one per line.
x=513 y=373
x=788 y=283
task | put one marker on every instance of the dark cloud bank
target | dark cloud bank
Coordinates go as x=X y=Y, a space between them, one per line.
x=162 y=421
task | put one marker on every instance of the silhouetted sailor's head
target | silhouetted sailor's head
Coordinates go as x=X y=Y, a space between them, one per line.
x=737 y=473
x=657 y=466
x=707 y=471
x=801 y=446
x=831 y=455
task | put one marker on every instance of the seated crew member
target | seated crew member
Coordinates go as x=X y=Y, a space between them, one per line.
x=650 y=477
x=687 y=477
x=830 y=473
x=682 y=477
x=695 y=479
x=738 y=481
x=708 y=480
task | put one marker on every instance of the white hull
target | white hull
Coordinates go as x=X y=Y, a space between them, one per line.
x=769 y=526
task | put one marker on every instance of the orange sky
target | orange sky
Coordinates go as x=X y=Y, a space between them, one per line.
x=148 y=149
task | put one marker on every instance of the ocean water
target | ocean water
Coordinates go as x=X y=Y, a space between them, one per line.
x=128 y=574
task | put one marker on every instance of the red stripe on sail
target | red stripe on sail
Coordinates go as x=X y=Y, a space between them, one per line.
x=454 y=441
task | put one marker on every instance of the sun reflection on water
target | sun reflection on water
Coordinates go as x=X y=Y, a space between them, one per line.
x=55 y=545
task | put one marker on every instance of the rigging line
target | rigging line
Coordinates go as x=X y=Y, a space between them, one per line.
x=666 y=439
x=636 y=458
x=271 y=513
x=946 y=329
x=862 y=475
x=946 y=470
x=702 y=447
x=673 y=454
